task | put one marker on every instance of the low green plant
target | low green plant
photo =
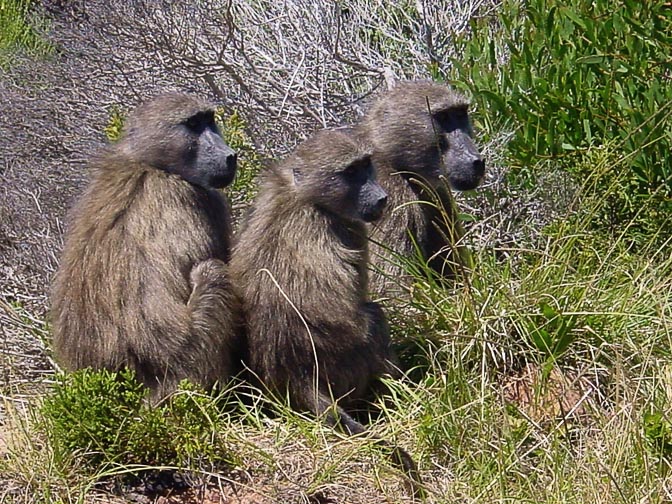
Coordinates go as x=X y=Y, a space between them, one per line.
x=87 y=411
x=19 y=31
x=103 y=417
x=551 y=330
x=115 y=123
x=658 y=432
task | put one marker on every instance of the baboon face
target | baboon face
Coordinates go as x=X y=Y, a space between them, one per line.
x=177 y=133
x=460 y=159
x=424 y=128
x=334 y=171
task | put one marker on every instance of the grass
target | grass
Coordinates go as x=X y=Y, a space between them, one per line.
x=544 y=378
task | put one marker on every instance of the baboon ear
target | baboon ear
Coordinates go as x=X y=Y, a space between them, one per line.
x=298 y=177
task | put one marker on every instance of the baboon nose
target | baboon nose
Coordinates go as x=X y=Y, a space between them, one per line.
x=232 y=161
x=479 y=167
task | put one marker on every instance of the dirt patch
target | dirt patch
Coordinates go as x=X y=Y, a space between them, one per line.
x=24 y=357
x=214 y=496
x=560 y=395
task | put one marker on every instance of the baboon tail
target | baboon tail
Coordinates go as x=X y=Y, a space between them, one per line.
x=338 y=417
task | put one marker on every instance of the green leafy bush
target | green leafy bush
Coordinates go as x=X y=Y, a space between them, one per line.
x=103 y=417
x=249 y=161
x=576 y=74
x=87 y=411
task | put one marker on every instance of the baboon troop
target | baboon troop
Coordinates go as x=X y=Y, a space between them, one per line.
x=143 y=280
x=147 y=279
x=421 y=136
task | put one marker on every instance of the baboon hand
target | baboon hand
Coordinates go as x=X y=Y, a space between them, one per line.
x=208 y=271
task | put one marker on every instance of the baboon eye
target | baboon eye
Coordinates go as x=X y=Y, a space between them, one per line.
x=452 y=119
x=357 y=172
x=350 y=171
x=195 y=123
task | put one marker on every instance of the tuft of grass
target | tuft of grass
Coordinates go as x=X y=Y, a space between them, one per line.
x=545 y=374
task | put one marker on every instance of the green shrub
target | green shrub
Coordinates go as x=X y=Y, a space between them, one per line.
x=18 y=31
x=576 y=74
x=87 y=411
x=233 y=129
x=115 y=123
x=103 y=417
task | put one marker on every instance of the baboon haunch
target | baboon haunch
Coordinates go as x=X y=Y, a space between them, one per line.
x=301 y=264
x=143 y=281
x=421 y=134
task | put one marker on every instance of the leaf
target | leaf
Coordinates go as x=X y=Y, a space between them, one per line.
x=542 y=340
x=574 y=16
x=592 y=59
x=550 y=22
x=495 y=98
x=587 y=131
x=548 y=311
x=465 y=217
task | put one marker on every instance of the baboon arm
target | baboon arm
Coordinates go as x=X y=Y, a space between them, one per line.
x=191 y=317
x=197 y=335
x=213 y=299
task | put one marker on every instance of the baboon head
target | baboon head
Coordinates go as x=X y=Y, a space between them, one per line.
x=423 y=128
x=333 y=171
x=177 y=133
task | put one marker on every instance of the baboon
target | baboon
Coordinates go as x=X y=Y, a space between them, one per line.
x=301 y=265
x=143 y=281
x=421 y=136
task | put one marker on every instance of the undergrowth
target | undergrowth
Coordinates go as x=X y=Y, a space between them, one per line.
x=103 y=418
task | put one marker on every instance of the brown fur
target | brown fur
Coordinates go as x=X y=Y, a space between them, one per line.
x=415 y=154
x=302 y=265
x=314 y=334
x=143 y=281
